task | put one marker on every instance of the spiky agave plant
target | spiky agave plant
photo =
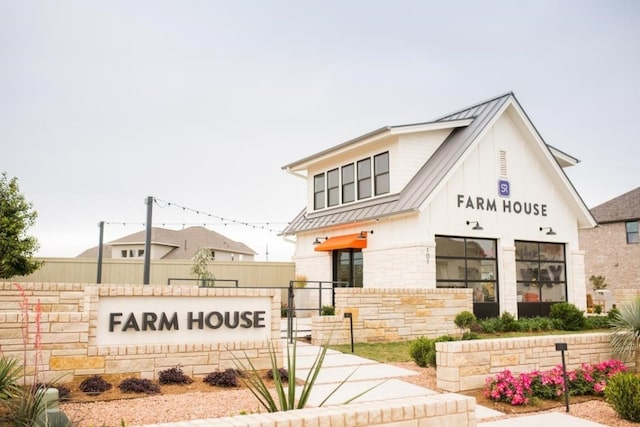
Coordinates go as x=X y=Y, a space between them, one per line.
x=10 y=374
x=625 y=332
x=286 y=399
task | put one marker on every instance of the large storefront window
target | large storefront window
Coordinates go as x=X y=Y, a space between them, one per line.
x=463 y=262
x=541 y=277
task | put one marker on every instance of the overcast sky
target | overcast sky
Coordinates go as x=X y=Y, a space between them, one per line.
x=200 y=103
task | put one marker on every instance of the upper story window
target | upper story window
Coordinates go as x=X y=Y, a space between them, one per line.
x=348 y=184
x=333 y=187
x=632 y=232
x=318 y=191
x=381 y=173
x=359 y=180
x=364 y=178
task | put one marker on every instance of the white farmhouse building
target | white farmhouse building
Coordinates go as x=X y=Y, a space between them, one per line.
x=475 y=199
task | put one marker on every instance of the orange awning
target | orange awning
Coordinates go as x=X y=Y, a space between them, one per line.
x=347 y=241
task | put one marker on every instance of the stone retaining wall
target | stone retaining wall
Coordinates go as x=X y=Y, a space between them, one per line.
x=66 y=344
x=465 y=365
x=437 y=410
x=382 y=315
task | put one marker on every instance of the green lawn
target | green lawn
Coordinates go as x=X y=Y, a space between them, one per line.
x=382 y=352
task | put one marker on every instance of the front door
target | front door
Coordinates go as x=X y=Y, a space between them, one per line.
x=347 y=268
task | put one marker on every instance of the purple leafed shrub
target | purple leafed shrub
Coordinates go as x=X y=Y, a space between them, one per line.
x=94 y=384
x=173 y=376
x=226 y=378
x=139 y=385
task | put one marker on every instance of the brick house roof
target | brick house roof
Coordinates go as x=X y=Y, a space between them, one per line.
x=186 y=242
x=625 y=207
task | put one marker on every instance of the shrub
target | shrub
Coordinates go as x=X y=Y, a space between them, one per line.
x=418 y=350
x=623 y=394
x=518 y=390
x=464 y=319
x=282 y=373
x=173 y=376
x=468 y=335
x=139 y=385
x=423 y=350
x=596 y=322
x=490 y=325
x=328 y=310
x=508 y=322
x=94 y=384
x=571 y=317
x=226 y=378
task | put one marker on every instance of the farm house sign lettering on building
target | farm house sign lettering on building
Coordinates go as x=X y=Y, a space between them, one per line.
x=181 y=320
x=508 y=206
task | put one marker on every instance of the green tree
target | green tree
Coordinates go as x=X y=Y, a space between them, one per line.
x=16 y=246
x=625 y=331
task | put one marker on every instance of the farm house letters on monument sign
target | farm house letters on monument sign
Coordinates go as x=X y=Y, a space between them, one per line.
x=180 y=320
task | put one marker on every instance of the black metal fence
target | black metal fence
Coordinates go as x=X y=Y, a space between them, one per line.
x=314 y=298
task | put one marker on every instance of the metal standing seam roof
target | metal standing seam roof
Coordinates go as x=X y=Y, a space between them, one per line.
x=421 y=185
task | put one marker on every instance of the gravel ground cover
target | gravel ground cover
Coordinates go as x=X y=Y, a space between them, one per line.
x=200 y=401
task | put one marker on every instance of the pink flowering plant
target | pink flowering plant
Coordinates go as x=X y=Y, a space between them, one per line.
x=588 y=379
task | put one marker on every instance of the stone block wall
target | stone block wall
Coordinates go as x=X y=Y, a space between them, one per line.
x=438 y=410
x=381 y=315
x=53 y=297
x=62 y=344
x=465 y=365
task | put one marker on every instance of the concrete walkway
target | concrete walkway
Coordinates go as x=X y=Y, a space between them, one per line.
x=379 y=381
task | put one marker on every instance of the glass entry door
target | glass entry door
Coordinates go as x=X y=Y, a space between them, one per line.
x=347 y=268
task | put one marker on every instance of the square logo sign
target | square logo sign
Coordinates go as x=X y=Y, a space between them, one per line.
x=504 y=189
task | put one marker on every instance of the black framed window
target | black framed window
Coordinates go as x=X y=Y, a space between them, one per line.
x=333 y=187
x=348 y=184
x=632 y=232
x=464 y=262
x=540 y=276
x=318 y=191
x=381 y=173
x=364 y=178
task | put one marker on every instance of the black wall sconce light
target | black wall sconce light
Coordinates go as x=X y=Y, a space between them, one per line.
x=319 y=240
x=363 y=234
x=550 y=232
x=477 y=225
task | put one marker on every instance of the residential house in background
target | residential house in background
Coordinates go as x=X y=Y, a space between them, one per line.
x=175 y=245
x=612 y=249
x=475 y=199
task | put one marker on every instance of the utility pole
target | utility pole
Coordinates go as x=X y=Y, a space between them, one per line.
x=99 y=278
x=147 y=241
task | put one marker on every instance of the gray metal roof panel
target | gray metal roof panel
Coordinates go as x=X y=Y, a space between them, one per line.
x=422 y=184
